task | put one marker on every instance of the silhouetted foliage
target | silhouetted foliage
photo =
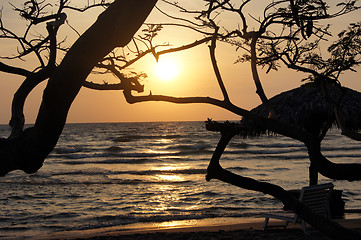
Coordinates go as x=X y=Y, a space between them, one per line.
x=288 y=33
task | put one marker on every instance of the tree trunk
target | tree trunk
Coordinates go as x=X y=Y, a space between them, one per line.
x=115 y=27
x=215 y=171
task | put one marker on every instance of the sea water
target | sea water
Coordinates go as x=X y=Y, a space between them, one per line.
x=112 y=174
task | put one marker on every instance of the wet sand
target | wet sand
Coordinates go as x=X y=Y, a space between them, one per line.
x=247 y=228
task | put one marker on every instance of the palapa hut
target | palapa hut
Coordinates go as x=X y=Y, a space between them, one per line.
x=307 y=108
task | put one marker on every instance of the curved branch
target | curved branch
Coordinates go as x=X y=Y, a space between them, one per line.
x=14 y=70
x=336 y=171
x=17 y=108
x=215 y=67
x=215 y=171
x=255 y=75
x=268 y=123
x=17 y=120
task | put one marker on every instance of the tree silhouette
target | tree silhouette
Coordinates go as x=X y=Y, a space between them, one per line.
x=294 y=45
x=115 y=27
x=289 y=33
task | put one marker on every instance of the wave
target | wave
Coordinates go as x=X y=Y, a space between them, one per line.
x=343 y=155
x=117 y=154
x=14 y=229
x=102 y=172
x=173 y=171
x=130 y=138
x=96 y=176
x=67 y=150
x=111 y=161
x=280 y=145
x=116 y=149
x=84 y=181
x=342 y=148
x=113 y=154
x=111 y=178
x=172 y=214
x=237 y=168
x=264 y=152
x=189 y=147
x=179 y=214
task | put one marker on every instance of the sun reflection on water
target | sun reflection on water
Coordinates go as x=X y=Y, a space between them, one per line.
x=164 y=141
x=173 y=178
x=167 y=173
x=174 y=224
x=168 y=190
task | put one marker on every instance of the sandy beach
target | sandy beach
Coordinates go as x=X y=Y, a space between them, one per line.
x=246 y=228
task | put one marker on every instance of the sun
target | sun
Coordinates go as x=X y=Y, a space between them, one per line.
x=166 y=69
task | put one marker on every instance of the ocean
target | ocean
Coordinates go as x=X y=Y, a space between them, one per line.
x=119 y=174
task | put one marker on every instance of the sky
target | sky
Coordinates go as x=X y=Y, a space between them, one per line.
x=192 y=76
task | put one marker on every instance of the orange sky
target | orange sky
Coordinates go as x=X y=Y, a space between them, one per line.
x=195 y=78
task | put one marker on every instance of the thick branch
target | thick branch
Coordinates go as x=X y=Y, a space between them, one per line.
x=17 y=117
x=17 y=108
x=336 y=171
x=114 y=27
x=268 y=123
x=350 y=172
x=129 y=84
x=14 y=70
x=215 y=171
x=97 y=86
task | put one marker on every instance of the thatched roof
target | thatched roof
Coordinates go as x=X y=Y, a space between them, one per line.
x=307 y=108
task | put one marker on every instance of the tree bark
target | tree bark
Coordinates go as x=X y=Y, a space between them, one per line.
x=115 y=27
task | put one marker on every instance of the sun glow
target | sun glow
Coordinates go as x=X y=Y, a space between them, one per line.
x=166 y=69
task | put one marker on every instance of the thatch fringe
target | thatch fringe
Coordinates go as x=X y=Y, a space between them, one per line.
x=305 y=107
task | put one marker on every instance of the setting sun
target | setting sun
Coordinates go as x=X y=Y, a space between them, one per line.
x=166 y=69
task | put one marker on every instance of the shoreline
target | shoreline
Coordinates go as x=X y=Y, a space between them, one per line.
x=222 y=228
